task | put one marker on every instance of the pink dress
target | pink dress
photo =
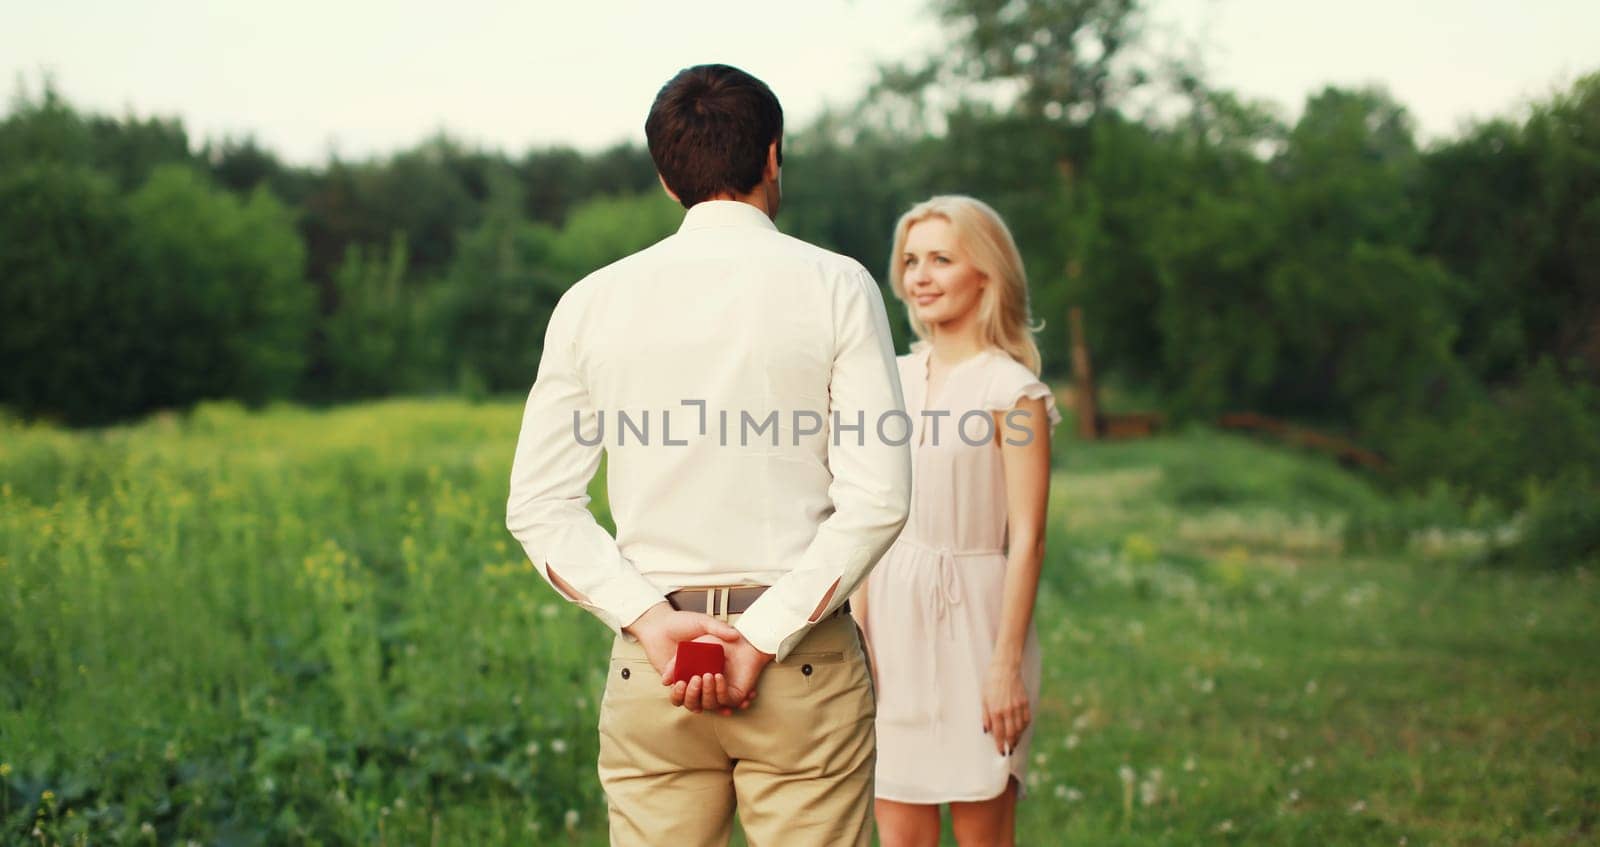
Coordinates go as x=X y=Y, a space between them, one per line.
x=934 y=600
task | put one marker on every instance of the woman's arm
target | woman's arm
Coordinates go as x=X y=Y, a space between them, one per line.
x=1027 y=483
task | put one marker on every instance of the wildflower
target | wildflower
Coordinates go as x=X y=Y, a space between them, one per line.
x=570 y=820
x=5 y=770
x=1150 y=788
x=1149 y=792
x=1358 y=807
x=558 y=745
x=47 y=796
x=1311 y=687
x=1072 y=741
x=532 y=749
x=1225 y=826
x=147 y=828
x=1188 y=763
x=1125 y=773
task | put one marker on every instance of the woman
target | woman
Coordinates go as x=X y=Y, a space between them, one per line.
x=948 y=612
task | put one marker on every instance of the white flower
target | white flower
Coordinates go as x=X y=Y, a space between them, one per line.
x=1040 y=758
x=147 y=828
x=559 y=745
x=1358 y=807
x=1125 y=773
x=1072 y=741
x=570 y=820
x=1149 y=792
x=1311 y=687
x=1225 y=826
x=1188 y=763
x=532 y=749
x=550 y=610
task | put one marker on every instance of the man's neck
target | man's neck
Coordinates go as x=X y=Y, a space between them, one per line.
x=757 y=198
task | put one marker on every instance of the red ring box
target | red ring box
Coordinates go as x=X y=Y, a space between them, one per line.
x=696 y=658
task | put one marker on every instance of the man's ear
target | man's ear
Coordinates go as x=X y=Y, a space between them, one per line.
x=770 y=172
x=668 y=189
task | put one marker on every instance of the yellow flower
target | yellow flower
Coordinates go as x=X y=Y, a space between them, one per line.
x=5 y=769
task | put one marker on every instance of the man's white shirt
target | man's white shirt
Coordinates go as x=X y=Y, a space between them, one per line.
x=743 y=386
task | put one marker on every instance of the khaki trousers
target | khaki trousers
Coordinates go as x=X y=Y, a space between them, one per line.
x=798 y=764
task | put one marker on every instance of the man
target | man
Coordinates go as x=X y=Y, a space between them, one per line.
x=747 y=511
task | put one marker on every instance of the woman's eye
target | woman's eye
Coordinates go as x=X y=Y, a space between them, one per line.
x=941 y=260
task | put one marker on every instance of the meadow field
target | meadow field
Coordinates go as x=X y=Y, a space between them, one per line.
x=311 y=627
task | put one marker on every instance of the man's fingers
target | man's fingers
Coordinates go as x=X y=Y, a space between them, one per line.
x=691 y=699
x=679 y=691
x=718 y=628
x=666 y=673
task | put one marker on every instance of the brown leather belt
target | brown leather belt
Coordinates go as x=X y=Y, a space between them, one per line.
x=727 y=599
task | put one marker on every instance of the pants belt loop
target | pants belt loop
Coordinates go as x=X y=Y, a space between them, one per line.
x=711 y=603
x=727 y=597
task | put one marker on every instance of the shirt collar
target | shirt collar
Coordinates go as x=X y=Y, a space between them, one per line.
x=718 y=213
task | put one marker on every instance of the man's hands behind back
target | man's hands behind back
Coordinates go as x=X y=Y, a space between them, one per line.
x=660 y=629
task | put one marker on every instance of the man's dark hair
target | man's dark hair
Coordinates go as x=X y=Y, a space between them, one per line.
x=709 y=130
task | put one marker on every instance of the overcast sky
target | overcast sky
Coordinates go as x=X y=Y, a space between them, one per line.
x=371 y=77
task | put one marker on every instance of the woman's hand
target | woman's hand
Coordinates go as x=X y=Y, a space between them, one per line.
x=1005 y=705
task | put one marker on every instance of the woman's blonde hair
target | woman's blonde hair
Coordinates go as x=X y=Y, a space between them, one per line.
x=1004 y=319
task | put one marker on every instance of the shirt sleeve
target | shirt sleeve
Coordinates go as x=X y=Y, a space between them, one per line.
x=871 y=487
x=547 y=510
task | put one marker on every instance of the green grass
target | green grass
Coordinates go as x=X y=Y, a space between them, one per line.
x=312 y=627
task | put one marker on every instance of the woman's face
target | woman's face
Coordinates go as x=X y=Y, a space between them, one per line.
x=940 y=281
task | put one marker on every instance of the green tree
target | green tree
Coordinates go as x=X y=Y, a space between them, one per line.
x=384 y=335
x=71 y=309
x=605 y=229
x=227 y=310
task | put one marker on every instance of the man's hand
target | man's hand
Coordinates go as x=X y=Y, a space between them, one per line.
x=661 y=627
x=723 y=692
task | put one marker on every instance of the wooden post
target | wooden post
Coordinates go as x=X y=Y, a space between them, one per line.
x=1084 y=398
